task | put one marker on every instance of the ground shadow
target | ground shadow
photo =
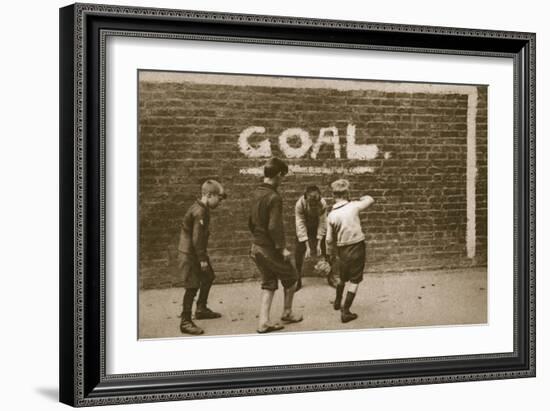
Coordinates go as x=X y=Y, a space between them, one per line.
x=51 y=393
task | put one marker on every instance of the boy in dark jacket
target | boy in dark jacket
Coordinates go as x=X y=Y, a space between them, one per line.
x=268 y=246
x=193 y=262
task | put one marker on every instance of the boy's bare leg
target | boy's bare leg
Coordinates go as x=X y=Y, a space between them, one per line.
x=287 y=310
x=265 y=308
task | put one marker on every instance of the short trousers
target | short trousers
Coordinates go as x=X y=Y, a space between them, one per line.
x=273 y=268
x=190 y=272
x=352 y=262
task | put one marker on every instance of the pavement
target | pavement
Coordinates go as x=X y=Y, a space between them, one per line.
x=388 y=300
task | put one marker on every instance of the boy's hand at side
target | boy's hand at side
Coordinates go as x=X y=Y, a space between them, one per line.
x=204 y=265
x=308 y=250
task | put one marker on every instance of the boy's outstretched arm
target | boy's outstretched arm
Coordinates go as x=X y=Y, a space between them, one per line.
x=365 y=202
x=301 y=230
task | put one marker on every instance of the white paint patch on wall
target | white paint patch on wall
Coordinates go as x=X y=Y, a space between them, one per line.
x=356 y=151
x=263 y=149
x=302 y=82
x=471 y=174
x=296 y=169
x=294 y=152
x=327 y=135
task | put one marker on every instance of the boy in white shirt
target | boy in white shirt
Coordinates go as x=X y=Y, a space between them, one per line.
x=345 y=237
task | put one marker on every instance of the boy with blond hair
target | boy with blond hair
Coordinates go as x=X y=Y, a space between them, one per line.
x=345 y=239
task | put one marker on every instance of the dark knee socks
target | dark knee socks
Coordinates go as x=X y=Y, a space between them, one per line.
x=347 y=303
x=299 y=265
x=203 y=294
x=339 y=293
x=188 y=298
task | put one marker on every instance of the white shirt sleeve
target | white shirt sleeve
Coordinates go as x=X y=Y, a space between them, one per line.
x=301 y=230
x=330 y=237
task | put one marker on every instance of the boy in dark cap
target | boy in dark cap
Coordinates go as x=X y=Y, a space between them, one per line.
x=344 y=234
x=193 y=262
x=268 y=246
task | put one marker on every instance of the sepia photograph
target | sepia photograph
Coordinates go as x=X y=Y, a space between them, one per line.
x=264 y=204
x=272 y=204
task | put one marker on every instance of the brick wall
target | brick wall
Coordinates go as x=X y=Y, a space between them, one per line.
x=188 y=131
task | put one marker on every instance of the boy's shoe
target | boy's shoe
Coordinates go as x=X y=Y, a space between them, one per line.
x=269 y=328
x=189 y=327
x=346 y=317
x=291 y=318
x=205 y=313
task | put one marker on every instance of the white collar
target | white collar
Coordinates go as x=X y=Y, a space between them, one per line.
x=340 y=204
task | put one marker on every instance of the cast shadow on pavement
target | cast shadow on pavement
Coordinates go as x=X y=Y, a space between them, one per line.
x=51 y=393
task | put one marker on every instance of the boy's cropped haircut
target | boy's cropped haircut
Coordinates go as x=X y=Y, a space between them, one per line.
x=340 y=187
x=312 y=189
x=275 y=166
x=212 y=187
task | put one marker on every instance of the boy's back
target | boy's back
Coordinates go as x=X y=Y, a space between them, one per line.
x=344 y=223
x=265 y=221
x=344 y=231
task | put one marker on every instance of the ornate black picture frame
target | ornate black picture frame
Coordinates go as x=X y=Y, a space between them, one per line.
x=83 y=31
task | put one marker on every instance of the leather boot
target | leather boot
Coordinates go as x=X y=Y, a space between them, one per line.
x=187 y=326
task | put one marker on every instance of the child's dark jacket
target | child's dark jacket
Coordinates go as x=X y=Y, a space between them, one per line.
x=194 y=232
x=266 y=218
